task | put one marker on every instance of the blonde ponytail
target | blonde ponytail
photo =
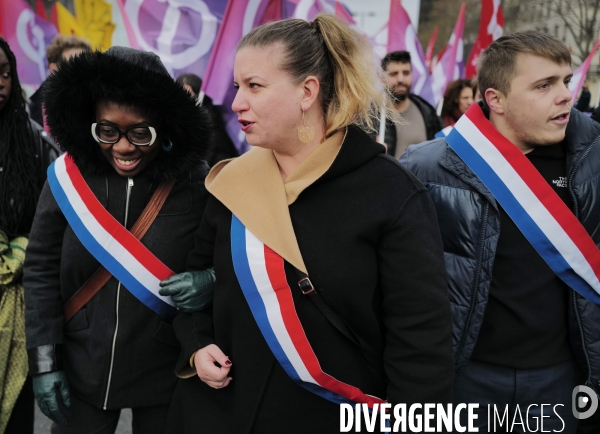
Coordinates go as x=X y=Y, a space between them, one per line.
x=352 y=90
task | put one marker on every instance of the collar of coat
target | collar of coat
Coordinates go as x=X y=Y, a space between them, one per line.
x=251 y=187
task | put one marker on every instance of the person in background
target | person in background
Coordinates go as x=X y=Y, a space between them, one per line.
x=585 y=97
x=418 y=121
x=134 y=142
x=223 y=145
x=459 y=96
x=316 y=204
x=524 y=334
x=25 y=151
x=62 y=47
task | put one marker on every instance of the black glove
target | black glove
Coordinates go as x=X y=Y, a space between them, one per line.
x=51 y=388
x=191 y=291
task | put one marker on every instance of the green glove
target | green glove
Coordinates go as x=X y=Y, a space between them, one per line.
x=191 y=291
x=51 y=388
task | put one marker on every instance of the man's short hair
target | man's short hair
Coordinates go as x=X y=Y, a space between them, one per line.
x=62 y=43
x=496 y=66
x=395 y=56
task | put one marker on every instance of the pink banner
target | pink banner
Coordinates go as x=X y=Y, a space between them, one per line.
x=341 y=11
x=450 y=66
x=28 y=36
x=402 y=36
x=580 y=73
x=181 y=32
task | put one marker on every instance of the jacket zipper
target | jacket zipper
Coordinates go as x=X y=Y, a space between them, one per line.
x=475 y=283
x=575 y=308
x=114 y=340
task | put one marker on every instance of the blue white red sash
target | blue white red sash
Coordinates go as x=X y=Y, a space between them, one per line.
x=443 y=132
x=123 y=255
x=531 y=203
x=260 y=272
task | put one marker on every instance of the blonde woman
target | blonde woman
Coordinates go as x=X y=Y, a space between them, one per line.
x=330 y=277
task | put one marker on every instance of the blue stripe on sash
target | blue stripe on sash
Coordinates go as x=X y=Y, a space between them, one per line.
x=524 y=222
x=108 y=261
x=255 y=301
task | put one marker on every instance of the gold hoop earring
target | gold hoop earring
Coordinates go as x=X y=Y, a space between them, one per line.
x=306 y=133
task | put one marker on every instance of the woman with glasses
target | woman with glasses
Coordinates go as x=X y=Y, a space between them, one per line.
x=100 y=341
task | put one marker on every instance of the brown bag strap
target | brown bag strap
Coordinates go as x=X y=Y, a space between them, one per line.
x=102 y=275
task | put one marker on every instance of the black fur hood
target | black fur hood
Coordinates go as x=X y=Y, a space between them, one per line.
x=133 y=78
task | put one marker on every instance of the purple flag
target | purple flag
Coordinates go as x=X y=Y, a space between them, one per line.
x=239 y=18
x=181 y=32
x=308 y=9
x=451 y=66
x=28 y=36
x=402 y=36
x=580 y=73
x=342 y=11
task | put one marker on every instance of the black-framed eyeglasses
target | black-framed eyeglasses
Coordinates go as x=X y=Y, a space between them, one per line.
x=138 y=136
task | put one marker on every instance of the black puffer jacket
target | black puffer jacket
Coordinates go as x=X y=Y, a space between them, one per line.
x=115 y=351
x=470 y=222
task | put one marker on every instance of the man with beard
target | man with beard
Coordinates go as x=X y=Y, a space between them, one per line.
x=419 y=122
x=516 y=186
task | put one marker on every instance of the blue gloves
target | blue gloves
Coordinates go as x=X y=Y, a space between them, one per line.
x=50 y=389
x=191 y=291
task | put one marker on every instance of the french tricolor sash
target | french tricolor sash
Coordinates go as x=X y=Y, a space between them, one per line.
x=540 y=214
x=260 y=272
x=123 y=255
x=443 y=132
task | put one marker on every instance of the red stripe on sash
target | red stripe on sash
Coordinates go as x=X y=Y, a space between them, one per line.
x=113 y=227
x=276 y=272
x=540 y=188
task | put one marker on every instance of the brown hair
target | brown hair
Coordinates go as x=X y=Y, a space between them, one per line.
x=451 y=97
x=496 y=66
x=340 y=58
x=62 y=43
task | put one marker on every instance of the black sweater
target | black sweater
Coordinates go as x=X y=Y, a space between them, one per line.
x=368 y=235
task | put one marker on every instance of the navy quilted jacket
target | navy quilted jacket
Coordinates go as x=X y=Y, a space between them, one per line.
x=470 y=223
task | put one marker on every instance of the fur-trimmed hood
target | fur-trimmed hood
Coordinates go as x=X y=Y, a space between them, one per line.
x=133 y=78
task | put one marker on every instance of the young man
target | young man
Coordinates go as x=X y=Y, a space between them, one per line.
x=61 y=48
x=522 y=336
x=420 y=119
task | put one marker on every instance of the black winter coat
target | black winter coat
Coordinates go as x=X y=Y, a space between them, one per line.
x=470 y=223
x=368 y=236
x=115 y=351
x=57 y=265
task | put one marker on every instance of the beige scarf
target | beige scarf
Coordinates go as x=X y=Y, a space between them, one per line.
x=251 y=188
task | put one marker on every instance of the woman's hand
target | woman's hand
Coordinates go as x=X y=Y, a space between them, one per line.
x=206 y=360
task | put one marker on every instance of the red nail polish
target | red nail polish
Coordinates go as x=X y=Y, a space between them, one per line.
x=228 y=363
